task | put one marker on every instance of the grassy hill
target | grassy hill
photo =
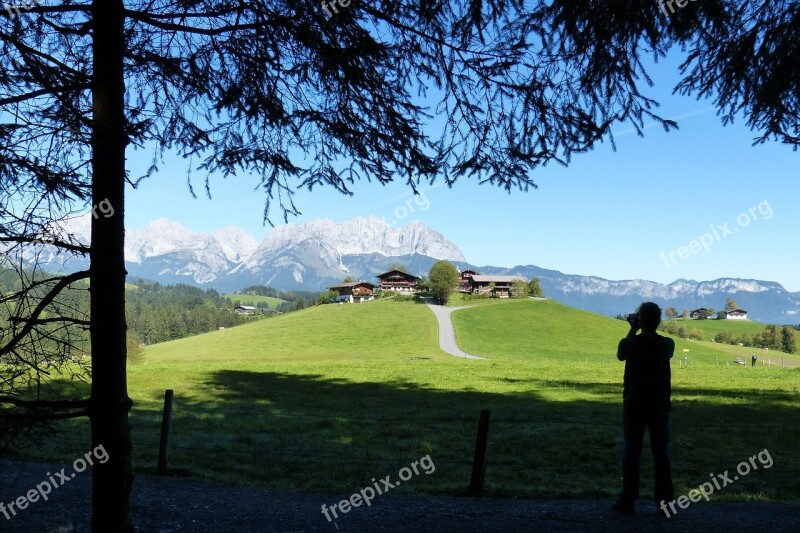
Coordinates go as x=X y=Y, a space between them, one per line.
x=329 y=397
x=530 y=331
x=712 y=327
x=256 y=299
x=535 y=330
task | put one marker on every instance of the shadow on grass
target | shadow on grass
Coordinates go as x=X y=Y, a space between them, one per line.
x=310 y=432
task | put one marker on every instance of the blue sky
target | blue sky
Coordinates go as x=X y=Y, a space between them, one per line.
x=720 y=206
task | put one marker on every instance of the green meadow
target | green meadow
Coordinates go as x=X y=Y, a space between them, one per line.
x=326 y=398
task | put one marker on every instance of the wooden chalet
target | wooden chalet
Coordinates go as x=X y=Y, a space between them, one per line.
x=698 y=313
x=736 y=314
x=464 y=283
x=396 y=280
x=354 y=291
x=498 y=286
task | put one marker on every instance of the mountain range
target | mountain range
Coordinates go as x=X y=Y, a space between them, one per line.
x=314 y=255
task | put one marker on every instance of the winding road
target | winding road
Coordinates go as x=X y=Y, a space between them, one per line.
x=447 y=335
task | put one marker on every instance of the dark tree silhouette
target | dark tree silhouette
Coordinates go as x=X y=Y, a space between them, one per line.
x=280 y=91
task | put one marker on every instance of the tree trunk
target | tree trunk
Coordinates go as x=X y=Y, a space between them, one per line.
x=112 y=481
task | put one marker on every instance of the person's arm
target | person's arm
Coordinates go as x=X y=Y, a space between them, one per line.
x=669 y=347
x=622 y=349
x=625 y=345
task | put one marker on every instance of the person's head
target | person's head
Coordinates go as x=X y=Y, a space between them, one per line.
x=649 y=316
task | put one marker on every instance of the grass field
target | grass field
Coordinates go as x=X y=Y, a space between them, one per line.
x=256 y=299
x=329 y=397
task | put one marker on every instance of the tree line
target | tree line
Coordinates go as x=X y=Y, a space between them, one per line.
x=154 y=312
x=293 y=300
x=783 y=338
x=703 y=313
x=774 y=337
x=158 y=313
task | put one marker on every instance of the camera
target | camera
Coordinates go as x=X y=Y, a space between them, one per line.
x=633 y=319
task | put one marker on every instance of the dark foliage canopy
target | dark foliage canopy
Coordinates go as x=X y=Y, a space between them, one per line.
x=380 y=91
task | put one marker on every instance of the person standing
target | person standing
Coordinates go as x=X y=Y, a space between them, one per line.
x=645 y=404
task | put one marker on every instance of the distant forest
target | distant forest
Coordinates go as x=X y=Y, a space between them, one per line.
x=158 y=313
x=294 y=299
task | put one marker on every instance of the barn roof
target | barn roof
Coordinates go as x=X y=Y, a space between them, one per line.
x=391 y=272
x=490 y=278
x=349 y=284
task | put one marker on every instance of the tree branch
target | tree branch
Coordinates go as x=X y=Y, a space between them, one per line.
x=43 y=92
x=44 y=416
x=76 y=321
x=46 y=404
x=147 y=19
x=45 y=301
x=60 y=244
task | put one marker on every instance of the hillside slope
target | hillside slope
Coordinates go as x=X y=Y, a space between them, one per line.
x=372 y=331
x=531 y=330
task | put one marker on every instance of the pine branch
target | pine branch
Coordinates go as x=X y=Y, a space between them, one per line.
x=45 y=301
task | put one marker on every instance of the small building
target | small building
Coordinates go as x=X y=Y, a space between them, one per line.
x=498 y=286
x=245 y=310
x=354 y=292
x=464 y=283
x=736 y=314
x=700 y=312
x=397 y=280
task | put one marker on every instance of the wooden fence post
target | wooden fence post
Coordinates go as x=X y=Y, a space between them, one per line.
x=479 y=460
x=166 y=427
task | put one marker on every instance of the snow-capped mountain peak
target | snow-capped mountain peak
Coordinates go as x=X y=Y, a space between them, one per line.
x=362 y=235
x=295 y=252
x=161 y=237
x=237 y=244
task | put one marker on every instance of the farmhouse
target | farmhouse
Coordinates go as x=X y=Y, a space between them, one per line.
x=244 y=310
x=736 y=314
x=499 y=286
x=464 y=283
x=354 y=291
x=698 y=313
x=396 y=280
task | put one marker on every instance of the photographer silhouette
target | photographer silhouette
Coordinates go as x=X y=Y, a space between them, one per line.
x=645 y=404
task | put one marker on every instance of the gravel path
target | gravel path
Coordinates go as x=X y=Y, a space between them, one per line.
x=169 y=505
x=447 y=335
